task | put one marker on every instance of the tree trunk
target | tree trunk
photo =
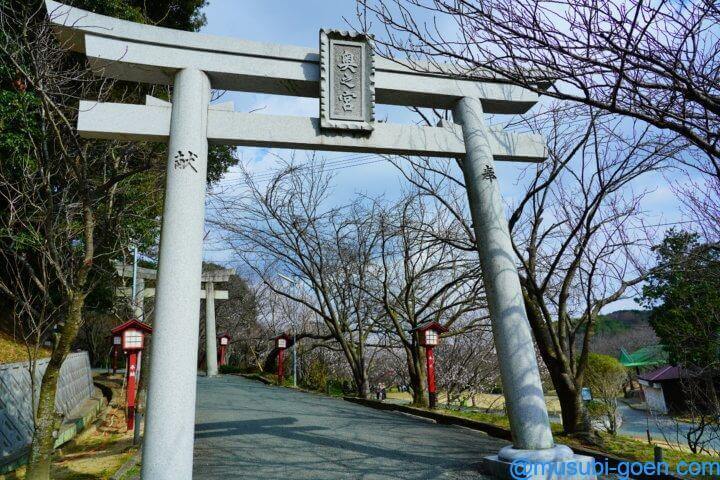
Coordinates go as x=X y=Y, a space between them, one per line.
x=361 y=383
x=418 y=377
x=47 y=419
x=574 y=414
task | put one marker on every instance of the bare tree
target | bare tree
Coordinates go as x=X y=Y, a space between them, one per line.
x=420 y=279
x=286 y=228
x=702 y=435
x=67 y=200
x=467 y=365
x=577 y=230
x=651 y=61
x=701 y=202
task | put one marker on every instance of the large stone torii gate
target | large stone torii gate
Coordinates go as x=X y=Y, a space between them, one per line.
x=348 y=80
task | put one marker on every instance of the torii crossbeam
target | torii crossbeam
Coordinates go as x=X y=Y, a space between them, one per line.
x=348 y=80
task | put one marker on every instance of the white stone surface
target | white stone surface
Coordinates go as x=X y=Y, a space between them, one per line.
x=519 y=372
x=144 y=53
x=170 y=419
x=119 y=121
x=654 y=397
x=218 y=294
x=577 y=467
x=210 y=333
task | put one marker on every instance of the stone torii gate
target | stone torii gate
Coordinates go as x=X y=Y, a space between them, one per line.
x=348 y=81
x=142 y=274
x=208 y=293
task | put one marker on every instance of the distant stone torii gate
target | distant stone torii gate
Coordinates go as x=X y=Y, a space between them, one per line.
x=208 y=293
x=348 y=80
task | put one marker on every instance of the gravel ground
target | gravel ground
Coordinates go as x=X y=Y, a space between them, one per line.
x=244 y=429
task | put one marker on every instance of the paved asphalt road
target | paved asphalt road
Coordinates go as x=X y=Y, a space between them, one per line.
x=244 y=429
x=662 y=427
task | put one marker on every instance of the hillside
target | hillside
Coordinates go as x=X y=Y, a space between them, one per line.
x=13 y=351
x=623 y=329
x=621 y=321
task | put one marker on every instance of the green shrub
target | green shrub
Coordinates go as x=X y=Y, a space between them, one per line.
x=605 y=377
x=315 y=376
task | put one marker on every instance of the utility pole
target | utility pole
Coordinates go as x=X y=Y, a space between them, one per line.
x=294 y=332
x=294 y=357
x=137 y=415
x=134 y=279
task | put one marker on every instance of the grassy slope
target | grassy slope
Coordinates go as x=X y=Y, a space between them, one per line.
x=13 y=351
x=482 y=400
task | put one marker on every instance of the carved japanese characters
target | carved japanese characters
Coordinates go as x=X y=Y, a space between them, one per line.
x=347 y=90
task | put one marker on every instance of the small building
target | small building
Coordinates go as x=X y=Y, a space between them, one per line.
x=674 y=389
x=662 y=389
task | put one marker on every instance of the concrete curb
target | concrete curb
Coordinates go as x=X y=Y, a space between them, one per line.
x=294 y=389
x=490 y=429
x=494 y=431
x=127 y=466
x=256 y=377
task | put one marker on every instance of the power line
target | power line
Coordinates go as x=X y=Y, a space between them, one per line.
x=341 y=163
x=336 y=161
x=330 y=165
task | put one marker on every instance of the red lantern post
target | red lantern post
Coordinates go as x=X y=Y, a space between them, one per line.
x=281 y=343
x=132 y=334
x=223 y=342
x=429 y=336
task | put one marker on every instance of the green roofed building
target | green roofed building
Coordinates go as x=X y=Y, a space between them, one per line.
x=645 y=357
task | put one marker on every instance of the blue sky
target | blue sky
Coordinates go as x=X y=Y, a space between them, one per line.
x=295 y=22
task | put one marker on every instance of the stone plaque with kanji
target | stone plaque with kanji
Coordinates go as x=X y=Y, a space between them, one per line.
x=347 y=89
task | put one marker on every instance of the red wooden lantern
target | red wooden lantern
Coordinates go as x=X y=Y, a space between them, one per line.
x=132 y=340
x=223 y=342
x=429 y=337
x=281 y=343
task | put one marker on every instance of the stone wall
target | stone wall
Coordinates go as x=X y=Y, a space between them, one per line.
x=16 y=422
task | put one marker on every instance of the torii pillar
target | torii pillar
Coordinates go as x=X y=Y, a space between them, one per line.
x=210 y=294
x=170 y=418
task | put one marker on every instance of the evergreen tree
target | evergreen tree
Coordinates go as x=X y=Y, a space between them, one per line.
x=683 y=293
x=70 y=206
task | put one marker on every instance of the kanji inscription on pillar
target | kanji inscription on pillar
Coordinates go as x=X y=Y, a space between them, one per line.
x=347 y=89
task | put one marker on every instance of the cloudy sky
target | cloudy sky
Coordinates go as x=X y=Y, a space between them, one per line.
x=294 y=22
x=291 y=22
